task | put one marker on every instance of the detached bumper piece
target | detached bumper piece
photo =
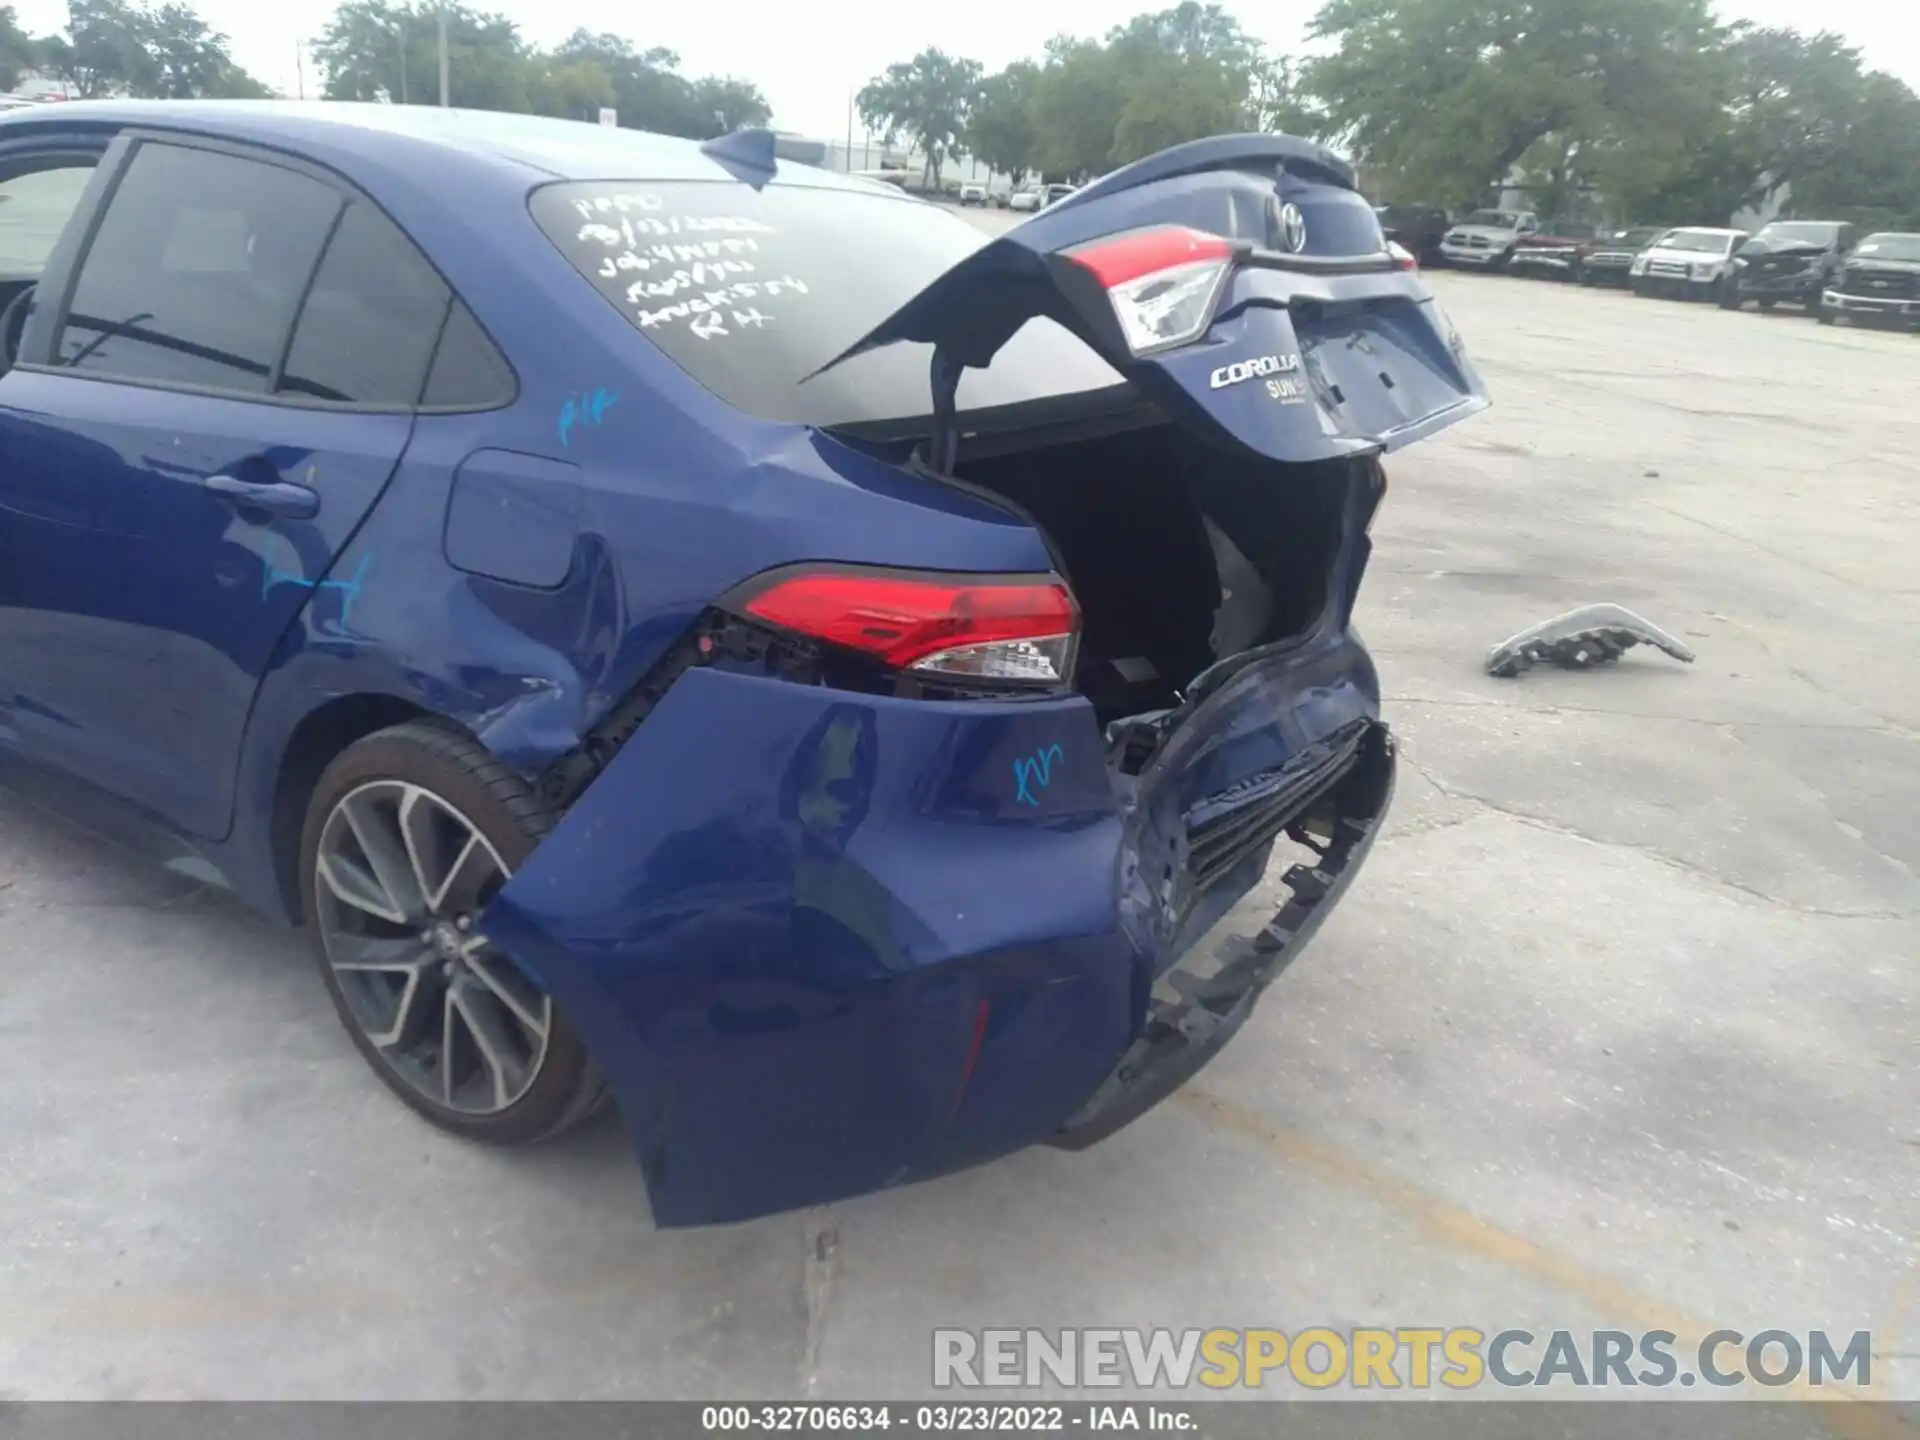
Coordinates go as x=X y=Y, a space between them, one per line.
x=1198 y=1005
x=1580 y=639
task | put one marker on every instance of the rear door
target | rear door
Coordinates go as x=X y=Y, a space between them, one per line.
x=1241 y=283
x=233 y=369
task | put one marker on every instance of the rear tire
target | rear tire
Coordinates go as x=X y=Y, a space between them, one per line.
x=409 y=833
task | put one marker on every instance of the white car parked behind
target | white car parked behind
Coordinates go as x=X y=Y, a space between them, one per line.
x=1689 y=262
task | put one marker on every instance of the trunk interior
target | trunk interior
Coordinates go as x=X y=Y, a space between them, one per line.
x=1180 y=554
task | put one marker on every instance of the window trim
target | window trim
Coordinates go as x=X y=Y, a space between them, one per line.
x=114 y=161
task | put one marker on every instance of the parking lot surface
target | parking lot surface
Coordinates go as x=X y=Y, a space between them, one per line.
x=1616 y=1029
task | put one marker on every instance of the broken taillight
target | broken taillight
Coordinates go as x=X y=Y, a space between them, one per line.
x=986 y=627
x=1162 y=282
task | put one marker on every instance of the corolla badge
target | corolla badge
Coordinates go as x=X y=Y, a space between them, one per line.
x=1293 y=229
x=1252 y=369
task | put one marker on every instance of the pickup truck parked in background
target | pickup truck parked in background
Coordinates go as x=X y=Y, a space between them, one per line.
x=1611 y=256
x=1790 y=260
x=1485 y=239
x=1880 y=281
x=1690 y=262
x=1557 y=253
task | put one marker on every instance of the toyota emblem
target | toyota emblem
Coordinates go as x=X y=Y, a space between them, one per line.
x=1293 y=229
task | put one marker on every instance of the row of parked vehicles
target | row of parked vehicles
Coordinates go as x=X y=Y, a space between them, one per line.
x=1027 y=197
x=1824 y=267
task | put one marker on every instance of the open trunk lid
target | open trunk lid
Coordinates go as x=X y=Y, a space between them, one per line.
x=1241 y=283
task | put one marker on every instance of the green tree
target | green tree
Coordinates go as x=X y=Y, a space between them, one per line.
x=1164 y=77
x=571 y=89
x=1189 y=31
x=1000 y=128
x=727 y=103
x=649 y=93
x=117 y=47
x=382 y=50
x=1870 y=167
x=1443 y=97
x=104 y=50
x=1172 y=98
x=189 y=60
x=927 y=99
x=1276 y=103
x=1078 y=97
x=18 y=50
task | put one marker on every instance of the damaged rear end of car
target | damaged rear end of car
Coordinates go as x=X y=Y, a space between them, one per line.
x=883 y=870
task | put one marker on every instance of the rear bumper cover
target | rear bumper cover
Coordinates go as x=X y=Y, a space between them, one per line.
x=819 y=943
x=1199 y=1004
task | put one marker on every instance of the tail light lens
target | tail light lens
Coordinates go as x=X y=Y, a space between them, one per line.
x=1402 y=257
x=1162 y=282
x=988 y=627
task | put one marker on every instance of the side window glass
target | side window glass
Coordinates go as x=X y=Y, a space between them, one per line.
x=468 y=372
x=196 y=270
x=34 y=209
x=367 y=330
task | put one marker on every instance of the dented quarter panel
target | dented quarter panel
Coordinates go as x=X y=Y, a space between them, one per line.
x=777 y=912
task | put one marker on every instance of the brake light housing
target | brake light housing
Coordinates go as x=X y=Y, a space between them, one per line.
x=995 y=629
x=1403 y=258
x=1163 y=282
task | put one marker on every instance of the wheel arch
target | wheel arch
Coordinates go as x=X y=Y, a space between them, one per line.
x=320 y=735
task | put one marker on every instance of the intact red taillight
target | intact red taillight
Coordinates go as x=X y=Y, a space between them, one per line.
x=976 y=627
x=1402 y=257
x=1162 y=282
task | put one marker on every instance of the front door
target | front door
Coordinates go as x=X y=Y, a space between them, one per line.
x=231 y=383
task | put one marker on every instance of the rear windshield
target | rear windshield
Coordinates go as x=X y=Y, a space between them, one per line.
x=752 y=291
x=1891 y=247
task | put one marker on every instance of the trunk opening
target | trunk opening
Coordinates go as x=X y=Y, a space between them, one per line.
x=1180 y=554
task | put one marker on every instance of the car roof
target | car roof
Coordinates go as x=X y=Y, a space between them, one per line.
x=1702 y=230
x=547 y=148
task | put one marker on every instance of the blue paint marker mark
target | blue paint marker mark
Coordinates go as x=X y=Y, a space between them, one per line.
x=587 y=408
x=1036 y=769
x=349 y=588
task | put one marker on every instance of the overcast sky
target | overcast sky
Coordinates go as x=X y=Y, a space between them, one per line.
x=809 y=58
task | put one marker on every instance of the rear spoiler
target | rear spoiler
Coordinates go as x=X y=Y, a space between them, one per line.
x=1221 y=152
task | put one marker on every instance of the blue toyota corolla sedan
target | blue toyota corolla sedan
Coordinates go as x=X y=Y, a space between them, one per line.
x=693 y=629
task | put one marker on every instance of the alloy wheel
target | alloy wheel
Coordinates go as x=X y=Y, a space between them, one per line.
x=399 y=878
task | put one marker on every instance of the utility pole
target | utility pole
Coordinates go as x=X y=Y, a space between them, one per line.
x=848 y=166
x=403 y=66
x=300 y=66
x=443 y=57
